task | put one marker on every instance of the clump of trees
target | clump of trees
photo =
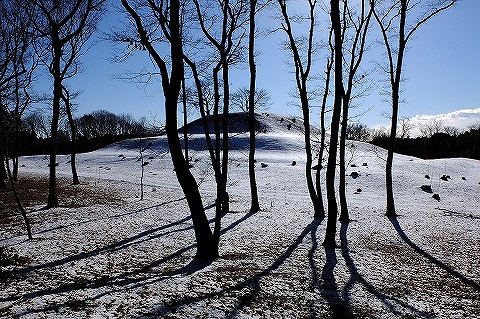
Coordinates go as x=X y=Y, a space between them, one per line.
x=93 y=131
x=437 y=145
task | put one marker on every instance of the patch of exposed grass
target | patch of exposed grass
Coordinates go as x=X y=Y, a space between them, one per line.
x=33 y=191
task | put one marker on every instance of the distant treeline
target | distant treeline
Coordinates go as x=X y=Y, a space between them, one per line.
x=93 y=131
x=439 y=145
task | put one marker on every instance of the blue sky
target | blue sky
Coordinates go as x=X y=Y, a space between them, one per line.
x=441 y=68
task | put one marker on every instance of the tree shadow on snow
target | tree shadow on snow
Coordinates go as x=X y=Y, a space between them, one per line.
x=393 y=304
x=432 y=259
x=126 y=280
x=251 y=284
x=113 y=216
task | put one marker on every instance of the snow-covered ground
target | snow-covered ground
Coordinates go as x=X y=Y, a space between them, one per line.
x=131 y=258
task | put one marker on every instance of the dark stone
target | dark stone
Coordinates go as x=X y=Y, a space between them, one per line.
x=354 y=175
x=263 y=165
x=444 y=178
x=463 y=177
x=364 y=164
x=294 y=163
x=353 y=165
x=436 y=196
x=426 y=188
x=427 y=176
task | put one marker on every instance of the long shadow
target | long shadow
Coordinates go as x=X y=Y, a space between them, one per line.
x=390 y=302
x=252 y=283
x=94 y=219
x=433 y=260
x=122 y=244
x=124 y=279
x=113 y=216
x=340 y=308
x=326 y=280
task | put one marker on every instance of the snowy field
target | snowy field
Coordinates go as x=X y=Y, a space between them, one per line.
x=112 y=255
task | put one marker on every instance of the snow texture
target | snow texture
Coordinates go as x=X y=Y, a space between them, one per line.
x=127 y=258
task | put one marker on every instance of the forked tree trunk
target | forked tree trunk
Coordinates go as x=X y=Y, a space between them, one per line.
x=207 y=246
x=331 y=229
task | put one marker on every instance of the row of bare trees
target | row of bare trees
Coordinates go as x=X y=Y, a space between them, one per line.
x=219 y=44
x=198 y=42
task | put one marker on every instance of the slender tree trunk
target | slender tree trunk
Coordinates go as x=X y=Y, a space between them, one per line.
x=344 y=216
x=323 y=133
x=185 y=120
x=19 y=203
x=255 y=205
x=337 y=108
x=314 y=194
x=3 y=134
x=390 y=152
x=395 y=83
x=73 y=150
x=52 y=200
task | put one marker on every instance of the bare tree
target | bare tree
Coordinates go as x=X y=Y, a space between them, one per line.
x=331 y=229
x=64 y=26
x=358 y=132
x=223 y=30
x=254 y=204
x=16 y=69
x=405 y=127
x=207 y=245
x=303 y=67
x=358 y=25
x=241 y=99
x=432 y=127
x=397 y=26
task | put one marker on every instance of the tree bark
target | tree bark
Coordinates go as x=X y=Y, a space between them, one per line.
x=207 y=246
x=52 y=200
x=73 y=129
x=254 y=205
x=337 y=108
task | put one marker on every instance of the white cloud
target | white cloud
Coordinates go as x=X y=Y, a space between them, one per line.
x=460 y=119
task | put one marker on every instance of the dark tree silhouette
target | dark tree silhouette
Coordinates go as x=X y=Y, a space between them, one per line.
x=16 y=69
x=254 y=205
x=207 y=246
x=302 y=74
x=359 y=25
x=64 y=28
x=396 y=30
x=337 y=109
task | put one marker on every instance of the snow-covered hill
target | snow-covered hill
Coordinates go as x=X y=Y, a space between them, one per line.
x=130 y=258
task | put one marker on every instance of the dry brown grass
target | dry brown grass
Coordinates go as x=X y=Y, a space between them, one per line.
x=33 y=191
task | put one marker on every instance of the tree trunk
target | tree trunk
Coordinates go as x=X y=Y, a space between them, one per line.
x=3 y=139
x=391 y=148
x=323 y=133
x=207 y=247
x=52 y=200
x=73 y=151
x=19 y=203
x=395 y=83
x=255 y=205
x=337 y=108
x=185 y=120
x=314 y=194
x=344 y=216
